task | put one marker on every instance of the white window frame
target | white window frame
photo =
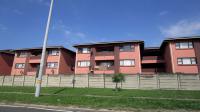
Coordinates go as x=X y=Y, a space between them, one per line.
x=127 y=62
x=52 y=64
x=122 y=48
x=53 y=52
x=84 y=50
x=186 y=61
x=20 y=65
x=184 y=45
x=83 y=63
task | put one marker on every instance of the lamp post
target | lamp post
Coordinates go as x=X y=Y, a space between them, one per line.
x=42 y=61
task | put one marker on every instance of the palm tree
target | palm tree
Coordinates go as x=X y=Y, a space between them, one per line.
x=118 y=78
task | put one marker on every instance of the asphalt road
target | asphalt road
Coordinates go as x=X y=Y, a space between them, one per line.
x=34 y=109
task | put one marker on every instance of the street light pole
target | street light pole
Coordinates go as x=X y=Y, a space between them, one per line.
x=42 y=61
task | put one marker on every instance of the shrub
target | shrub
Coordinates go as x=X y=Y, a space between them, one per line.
x=118 y=78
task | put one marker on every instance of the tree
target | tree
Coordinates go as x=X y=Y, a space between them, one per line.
x=118 y=78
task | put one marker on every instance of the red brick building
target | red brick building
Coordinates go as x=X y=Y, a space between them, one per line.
x=59 y=60
x=182 y=55
x=109 y=57
x=175 y=55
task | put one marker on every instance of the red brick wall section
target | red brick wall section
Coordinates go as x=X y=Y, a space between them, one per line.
x=67 y=61
x=116 y=55
x=167 y=58
x=6 y=61
x=197 y=53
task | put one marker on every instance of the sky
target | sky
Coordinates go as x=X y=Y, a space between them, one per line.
x=23 y=22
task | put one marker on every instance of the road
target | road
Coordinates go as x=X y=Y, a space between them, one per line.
x=6 y=108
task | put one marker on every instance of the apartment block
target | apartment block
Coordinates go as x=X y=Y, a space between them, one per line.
x=182 y=55
x=109 y=57
x=175 y=55
x=59 y=60
x=6 y=61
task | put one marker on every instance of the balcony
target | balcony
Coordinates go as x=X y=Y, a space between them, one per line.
x=103 y=70
x=104 y=53
x=104 y=56
x=34 y=59
x=152 y=59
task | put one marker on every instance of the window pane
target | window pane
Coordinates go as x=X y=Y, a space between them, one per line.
x=180 y=61
x=193 y=61
x=184 y=45
x=133 y=62
x=85 y=50
x=190 y=45
x=186 y=61
x=52 y=65
x=79 y=63
x=121 y=63
x=19 y=65
x=126 y=48
x=177 y=45
x=53 y=52
x=127 y=63
x=83 y=63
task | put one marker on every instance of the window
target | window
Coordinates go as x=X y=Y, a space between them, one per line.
x=184 y=45
x=127 y=62
x=19 y=65
x=186 y=61
x=22 y=54
x=52 y=64
x=126 y=48
x=83 y=63
x=84 y=50
x=53 y=52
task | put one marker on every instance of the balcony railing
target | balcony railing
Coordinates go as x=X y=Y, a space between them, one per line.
x=106 y=53
x=152 y=58
x=35 y=57
x=103 y=68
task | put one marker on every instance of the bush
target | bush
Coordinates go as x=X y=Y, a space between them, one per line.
x=118 y=78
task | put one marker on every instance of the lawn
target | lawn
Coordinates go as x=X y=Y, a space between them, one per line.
x=104 y=98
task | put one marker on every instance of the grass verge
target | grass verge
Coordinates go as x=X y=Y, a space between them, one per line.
x=85 y=97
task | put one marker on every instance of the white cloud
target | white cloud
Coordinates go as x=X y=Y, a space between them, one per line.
x=182 y=28
x=67 y=32
x=80 y=34
x=3 y=27
x=163 y=13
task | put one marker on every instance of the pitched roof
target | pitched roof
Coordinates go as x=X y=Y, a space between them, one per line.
x=179 y=38
x=7 y=51
x=183 y=38
x=40 y=48
x=107 y=43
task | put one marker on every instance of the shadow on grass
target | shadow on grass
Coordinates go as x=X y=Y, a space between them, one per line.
x=60 y=90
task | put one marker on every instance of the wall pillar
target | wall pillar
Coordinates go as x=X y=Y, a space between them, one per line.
x=197 y=53
x=92 y=58
x=116 y=59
